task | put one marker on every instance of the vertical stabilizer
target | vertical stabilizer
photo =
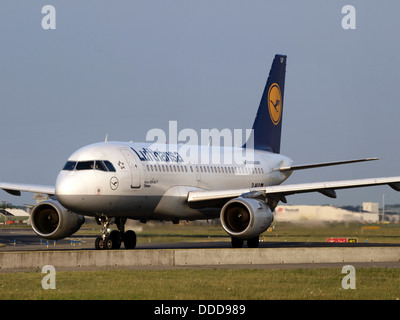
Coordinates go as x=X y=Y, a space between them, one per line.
x=268 y=122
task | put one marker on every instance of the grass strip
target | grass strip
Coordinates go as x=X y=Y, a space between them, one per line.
x=204 y=284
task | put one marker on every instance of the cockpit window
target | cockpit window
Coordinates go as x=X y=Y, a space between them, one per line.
x=89 y=165
x=70 y=166
x=109 y=165
x=85 y=165
x=100 y=166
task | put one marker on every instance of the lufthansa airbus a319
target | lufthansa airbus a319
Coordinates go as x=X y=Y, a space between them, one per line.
x=116 y=181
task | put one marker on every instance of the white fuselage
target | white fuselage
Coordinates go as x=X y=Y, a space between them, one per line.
x=151 y=181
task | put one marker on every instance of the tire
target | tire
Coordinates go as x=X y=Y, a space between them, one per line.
x=130 y=239
x=99 y=244
x=237 y=243
x=108 y=243
x=115 y=236
x=253 y=242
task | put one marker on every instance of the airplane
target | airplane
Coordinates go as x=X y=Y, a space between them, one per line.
x=116 y=181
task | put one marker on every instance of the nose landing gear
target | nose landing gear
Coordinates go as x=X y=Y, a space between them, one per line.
x=113 y=240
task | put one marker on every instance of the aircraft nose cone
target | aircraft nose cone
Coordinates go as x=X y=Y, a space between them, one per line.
x=70 y=190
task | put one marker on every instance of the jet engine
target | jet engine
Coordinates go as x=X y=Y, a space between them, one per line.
x=52 y=221
x=245 y=218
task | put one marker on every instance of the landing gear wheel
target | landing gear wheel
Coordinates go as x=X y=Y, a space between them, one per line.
x=112 y=240
x=237 y=243
x=99 y=243
x=253 y=242
x=103 y=244
x=115 y=237
x=130 y=239
x=108 y=243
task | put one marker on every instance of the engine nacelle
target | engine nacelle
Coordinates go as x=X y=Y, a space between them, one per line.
x=246 y=218
x=50 y=220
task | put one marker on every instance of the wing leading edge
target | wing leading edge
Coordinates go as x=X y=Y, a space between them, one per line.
x=280 y=191
x=15 y=188
x=324 y=164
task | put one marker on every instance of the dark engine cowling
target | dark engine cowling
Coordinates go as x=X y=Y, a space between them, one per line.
x=245 y=218
x=52 y=221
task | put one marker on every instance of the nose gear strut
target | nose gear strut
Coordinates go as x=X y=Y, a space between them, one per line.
x=112 y=240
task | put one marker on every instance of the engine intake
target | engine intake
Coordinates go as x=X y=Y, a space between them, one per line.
x=50 y=220
x=245 y=218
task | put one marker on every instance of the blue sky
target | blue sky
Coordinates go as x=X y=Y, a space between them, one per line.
x=125 y=67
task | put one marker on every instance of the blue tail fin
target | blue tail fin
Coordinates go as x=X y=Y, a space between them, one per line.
x=268 y=122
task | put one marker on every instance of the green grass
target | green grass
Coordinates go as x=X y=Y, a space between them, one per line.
x=194 y=284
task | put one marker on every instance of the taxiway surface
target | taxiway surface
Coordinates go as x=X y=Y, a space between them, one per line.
x=27 y=240
x=22 y=249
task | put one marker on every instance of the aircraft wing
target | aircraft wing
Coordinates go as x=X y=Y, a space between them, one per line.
x=196 y=198
x=324 y=164
x=15 y=188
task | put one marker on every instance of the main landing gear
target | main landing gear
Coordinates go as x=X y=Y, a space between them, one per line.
x=113 y=240
x=251 y=243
